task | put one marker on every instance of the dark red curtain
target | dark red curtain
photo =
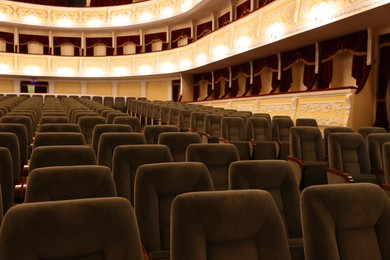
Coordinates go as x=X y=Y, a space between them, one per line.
x=25 y=39
x=243 y=9
x=46 y=2
x=92 y=42
x=360 y=71
x=123 y=40
x=204 y=29
x=224 y=20
x=9 y=41
x=220 y=75
x=270 y=62
x=383 y=81
x=237 y=71
x=177 y=35
x=153 y=37
x=263 y=3
x=200 y=78
x=59 y=41
x=309 y=76
x=96 y=3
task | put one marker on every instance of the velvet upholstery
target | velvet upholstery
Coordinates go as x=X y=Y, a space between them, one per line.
x=109 y=141
x=306 y=122
x=87 y=124
x=178 y=143
x=346 y=222
x=156 y=185
x=120 y=103
x=6 y=180
x=276 y=177
x=126 y=160
x=366 y=130
x=69 y=182
x=20 y=131
x=58 y=138
x=281 y=133
x=375 y=142
x=386 y=161
x=98 y=228
x=10 y=142
x=60 y=127
x=77 y=115
x=106 y=128
x=185 y=119
x=260 y=132
x=24 y=120
x=227 y=225
x=62 y=155
x=197 y=121
x=112 y=115
x=307 y=156
x=217 y=158
x=129 y=120
x=152 y=132
x=53 y=120
x=212 y=127
x=348 y=153
x=108 y=101
x=334 y=129
x=234 y=131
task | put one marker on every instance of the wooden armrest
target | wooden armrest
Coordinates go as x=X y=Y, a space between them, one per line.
x=377 y=171
x=277 y=141
x=221 y=139
x=347 y=177
x=295 y=160
x=386 y=187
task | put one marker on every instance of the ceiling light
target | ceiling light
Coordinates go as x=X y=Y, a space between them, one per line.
x=32 y=70
x=4 y=68
x=31 y=19
x=185 y=63
x=65 y=22
x=94 y=71
x=65 y=71
x=146 y=16
x=220 y=51
x=186 y=5
x=321 y=12
x=167 y=67
x=120 y=19
x=243 y=43
x=201 y=59
x=274 y=31
x=94 y=22
x=145 y=69
x=121 y=71
x=167 y=12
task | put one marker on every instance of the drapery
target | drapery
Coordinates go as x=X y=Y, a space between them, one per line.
x=220 y=75
x=203 y=29
x=224 y=20
x=46 y=2
x=121 y=41
x=179 y=34
x=263 y=3
x=243 y=9
x=270 y=62
x=92 y=42
x=95 y=3
x=198 y=79
x=25 y=39
x=383 y=81
x=237 y=71
x=154 y=37
x=8 y=38
x=59 y=41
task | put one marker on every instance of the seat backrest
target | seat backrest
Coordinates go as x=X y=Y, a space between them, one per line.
x=306 y=122
x=355 y=219
x=87 y=124
x=62 y=155
x=178 y=143
x=98 y=99
x=281 y=128
x=348 y=152
x=69 y=182
x=375 y=142
x=259 y=129
x=10 y=142
x=152 y=132
x=217 y=158
x=59 y=127
x=197 y=121
x=174 y=116
x=212 y=124
x=386 y=161
x=132 y=121
x=366 y=130
x=156 y=185
x=77 y=115
x=334 y=129
x=58 y=138
x=108 y=101
x=306 y=143
x=233 y=128
x=277 y=177
x=112 y=115
x=6 y=181
x=53 y=120
x=106 y=128
x=97 y=228
x=20 y=131
x=212 y=226
x=185 y=119
x=24 y=120
x=126 y=160
x=109 y=141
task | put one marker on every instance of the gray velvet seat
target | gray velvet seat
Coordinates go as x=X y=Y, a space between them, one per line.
x=132 y=121
x=276 y=177
x=260 y=133
x=77 y=115
x=349 y=160
x=109 y=141
x=87 y=124
x=112 y=115
x=386 y=167
x=346 y=222
x=62 y=155
x=53 y=119
x=375 y=142
x=307 y=156
x=126 y=160
x=156 y=186
x=212 y=127
x=99 y=129
x=306 y=122
x=58 y=138
x=69 y=182
x=10 y=142
x=281 y=133
x=108 y=101
x=152 y=132
x=217 y=158
x=24 y=120
x=184 y=119
x=59 y=127
x=98 y=228
x=6 y=181
x=233 y=129
x=120 y=104
x=178 y=143
x=366 y=130
x=212 y=226
x=334 y=129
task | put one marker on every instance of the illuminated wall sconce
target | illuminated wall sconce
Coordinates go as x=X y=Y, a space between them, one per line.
x=220 y=51
x=186 y=5
x=31 y=19
x=185 y=64
x=32 y=70
x=167 y=67
x=4 y=68
x=94 y=71
x=121 y=71
x=146 y=16
x=65 y=71
x=167 y=12
x=201 y=59
x=145 y=69
x=65 y=22
x=274 y=31
x=243 y=42
x=321 y=12
x=94 y=22
x=120 y=19
x=3 y=16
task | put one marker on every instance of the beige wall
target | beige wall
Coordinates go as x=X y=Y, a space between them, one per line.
x=99 y=88
x=6 y=86
x=157 y=90
x=67 y=88
x=129 y=89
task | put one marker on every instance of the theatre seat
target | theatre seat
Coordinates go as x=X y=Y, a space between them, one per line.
x=178 y=143
x=87 y=124
x=98 y=228
x=58 y=138
x=6 y=181
x=106 y=128
x=132 y=121
x=59 y=127
x=152 y=132
x=227 y=225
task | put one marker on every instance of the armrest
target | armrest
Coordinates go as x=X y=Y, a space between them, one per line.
x=386 y=187
x=339 y=176
x=377 y=171
x=295 y=160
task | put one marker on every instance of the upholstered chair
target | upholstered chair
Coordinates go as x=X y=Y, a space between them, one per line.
x=152 y=132
x=386 y=167
x=334 y=129
x=87 y=124
x=69 y=182
x=306 y=122
x=112 y=115
x=212 y=127
x=234 y=131
x=227 y=225
x=156 y=185
x=184 y=120
x=281 y=133
x=178 y=143
x=77 y=115
x=97 y=228
x=346 y=222
x=59 y=127
x=106 y=128
x=120 y=104
x=126 y=160
x=9 y=141
x=6 y=181
x=24 y=120
x=132 y=121
x=276 y=177
x=375 y=142
x=307 y=156
x=217 y=158
x=349 y=160
x=109 y=141
x=108 y=101
x=366 y=130
x=260 y=133
x=53 y=120
x=58 y=138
